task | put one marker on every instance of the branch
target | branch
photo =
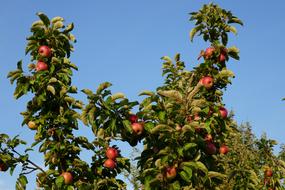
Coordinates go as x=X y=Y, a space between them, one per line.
x=30 y=162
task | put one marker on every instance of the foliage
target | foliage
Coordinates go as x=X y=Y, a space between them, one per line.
x=190 y=141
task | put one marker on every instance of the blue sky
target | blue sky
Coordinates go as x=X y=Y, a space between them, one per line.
x=122 y=42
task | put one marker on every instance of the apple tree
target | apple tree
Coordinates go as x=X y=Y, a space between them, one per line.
x=190 y=140
x=185 y=120
x=52 y=115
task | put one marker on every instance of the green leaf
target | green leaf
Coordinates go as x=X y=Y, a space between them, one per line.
x=127 y=125
x=87 y=92
x=59 y=181
x=146 y=93
x=103 y=86
x=69 y=28
x=56 y=19
x=233 y=30
x=19 y=65
x=217 y=175
x=202 y=167
x=192 y=33
x=51 y=89
x=185 y=176
x=235 y=20
x=160 y=128
x=44 y=18
x=173 y=94
x=188 y=171
x=226 y=73
x=118 y=95
x=166 y=58
x=21 y=182
x=188 y=146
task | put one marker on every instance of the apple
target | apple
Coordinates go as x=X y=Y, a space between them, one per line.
x=68 y=178
x=223 y=112
x=209 y=52
x=133 y=118
x=268 y=172
x=210 y=148
x=171 y=172
x=223 y=55
x=208 y=138
x=137 y=128
x=111 y=153
x=222 y=58
x=109 y=163
x=207 y=82
x=32 y=125
x=44 y=51
x=41 y=66
x=3 y=166
x=224 y=149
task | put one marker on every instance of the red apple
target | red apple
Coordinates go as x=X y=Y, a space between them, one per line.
x=207 y=82
x=224 y=149
x=210 y=148
x=268 y=172
x=209 y=52
x=41 y=66
x=223 y=112
x=68 y=178
x=133 y=118
x=171 y=172
x=44 y=51
x=32 y=125
x=109 y=163
x=137 y=128
x=208 y=138
x=3 y=166
x=222 y=57
x=111 y=153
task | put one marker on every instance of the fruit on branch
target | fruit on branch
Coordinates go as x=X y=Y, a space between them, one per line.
x=171 y=172
x=32 y=125
x=209 y=52
x=223 y=55
x=133 y=118
x=268 y=172
x=111 y=153
x=44 y=51
x=109 y=163
x=210 y=148
x=196 y=117
x=224 y=149
x=41 y=66
x=68 y=178
x=137 y=128
x=207 y=82
x=223 y=112
x=208 y=138
x=3 y=166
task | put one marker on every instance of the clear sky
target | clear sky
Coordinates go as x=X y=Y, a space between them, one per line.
x=122 y=42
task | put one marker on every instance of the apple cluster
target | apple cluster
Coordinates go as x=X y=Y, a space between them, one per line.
x=208 y=82
x=44 y=52
x=111 y=154
x=212 y=52
x=137 y=127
